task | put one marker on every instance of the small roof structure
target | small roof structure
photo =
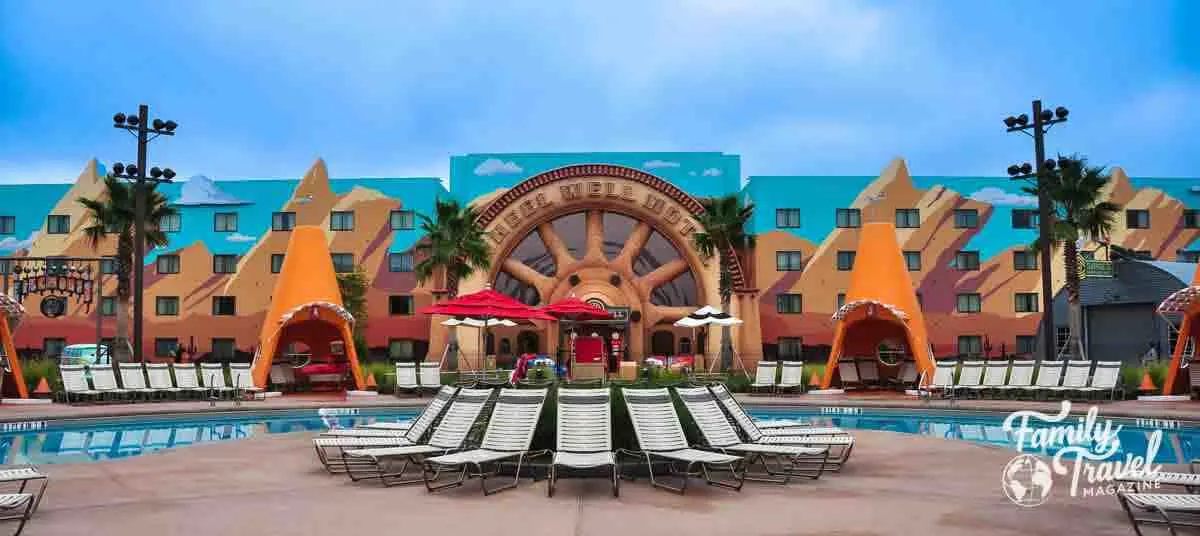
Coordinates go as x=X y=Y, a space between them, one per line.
x=1185 y=301
x=880 y=304
x=306 y=305
x=705 y=316
x=11 y=313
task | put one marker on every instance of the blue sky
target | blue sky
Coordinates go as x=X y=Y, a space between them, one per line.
x=836 y=87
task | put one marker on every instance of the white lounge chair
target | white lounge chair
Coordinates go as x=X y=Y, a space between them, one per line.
x=283 y=377
x=1019 y=379
x=1106 y=378
x=789 y=427
x=133 y=379
x=75 y=384
x=1049 y=374
x=994 y=376
x=1075 y=379
x=331 y=448
x=584 y=439
x=942 y=381
x=848 y=373
x=212 y=377
x=1143 y=481
x=449 y=436
x=1170 y=509
x=868 y=371
x=908 y=375
x=159 y=376
x=969 y=376
x=243 y=382
x=764 y=376
x=406 y=376
x=186 y=379
x=844 y=444
x=25 y=475
x=508 y=436
x=660 y=435
x=790 y=460
x=105 y=381
x=17 y=506
x=791 y=376
x=430 y=378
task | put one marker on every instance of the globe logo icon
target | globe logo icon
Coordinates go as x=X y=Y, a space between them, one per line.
x=1027 y=480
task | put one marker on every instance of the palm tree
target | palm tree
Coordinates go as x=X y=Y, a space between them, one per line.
x=1076 y=193
x=112 y=213
x=454 y=243
x=723 y=232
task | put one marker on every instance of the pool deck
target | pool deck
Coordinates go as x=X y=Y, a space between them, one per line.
x=895 y=484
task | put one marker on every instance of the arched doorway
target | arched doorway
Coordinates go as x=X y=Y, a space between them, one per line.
x=527 y=342
x=662 y=343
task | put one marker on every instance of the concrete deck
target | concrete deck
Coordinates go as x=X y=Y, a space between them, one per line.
x=895 y=484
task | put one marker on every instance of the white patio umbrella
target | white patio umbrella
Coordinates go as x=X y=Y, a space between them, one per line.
x=707 y=316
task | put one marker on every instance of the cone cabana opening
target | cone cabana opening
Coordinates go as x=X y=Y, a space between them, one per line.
x=1185 y=302
x=881 y=306
x=306 y=307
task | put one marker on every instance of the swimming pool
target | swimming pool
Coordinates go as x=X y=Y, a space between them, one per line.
x=95 y=440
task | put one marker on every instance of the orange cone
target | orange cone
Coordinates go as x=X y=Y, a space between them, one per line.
x=815 y=380
x=1147 y=383
x=42 y=389
x=371 y=385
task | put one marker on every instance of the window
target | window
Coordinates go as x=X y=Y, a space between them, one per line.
x=170 y=223
x=789 y=303
x=400 y=305
x=1186 y=255
x=58 y=224
x=787 y=218
x=402 y=220
x=788 y=261
x=1026 y=344
x=341 y=221
x=1025 y=260
x=401 y=349
x=5 y=266
x=108 y=265
x=53 y=346
x=56 y=265
x=841 y=299
x=224 y=305
x=849 y=217
x=223 y=349
x=1137 y=219
x=276 y=263
x=1062 y=334
x=225 y=264
x=966 y=260
x=166 y=306
x=283 y=221
x=791 y=348
x=845 y=260
x=966 y=218
x=1025 y=302
x=400 y=262
x=1024 y=218
x=912 y=260
x=164 y=347
x=225 y=222
x=111 y=228
x=167 y=264
x=908 y=218
x=970 y=345
x=968 y=302
x=8 y=225
x=108 y=306
x=343 y=262
x=1191 y=219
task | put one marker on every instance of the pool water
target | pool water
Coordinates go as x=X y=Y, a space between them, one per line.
x=108 y=439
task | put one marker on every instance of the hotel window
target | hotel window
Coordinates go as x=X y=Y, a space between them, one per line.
x=968 y=302
x=845 y=261
x=58 y=224
x=841 y=299
x=225 y=264
x=164 y=347
x=276 y=263
x=787 y=218
x=108 y=306
x=283 y=221
x=1025 y=260
x=167 y=264
x=791 y=348
x=1137 y=219
x=223 y=348
x=1026 y=344
x=1191 y=219
x=970 y=345
x=224 y=306
x=53 y=346
x=402 y=220
x=400 y=305
x=849 y=217
x=5 y=266
x=341 y=221
x=170 y=223
x=400 y=262
x=788 y=261
x=912 y=260
x=1187 y=255
x=225 y=222
x=8 y=225
x=1025 y=302
x=401 y=349
x=166 y=306
x=108 y=265
x=789 y=303
x=966 y=260
x=966 y=218
x=1024 y=218
x=908 y=218
x=343 y=263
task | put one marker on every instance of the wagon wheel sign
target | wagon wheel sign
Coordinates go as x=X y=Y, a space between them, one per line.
x=56 y=281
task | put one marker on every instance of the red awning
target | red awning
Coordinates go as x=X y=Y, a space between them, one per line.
x=486 y=304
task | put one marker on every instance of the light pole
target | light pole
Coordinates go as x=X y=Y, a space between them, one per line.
x=1043 y=119
x=141 y=126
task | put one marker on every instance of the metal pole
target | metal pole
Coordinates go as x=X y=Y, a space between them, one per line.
x=1039 y=149
x=99 y=284
x=139 y=231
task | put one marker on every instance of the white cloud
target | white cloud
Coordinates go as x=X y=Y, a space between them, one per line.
x=998 y=197
x=712 y=172
x=495 y=166
x=12 y=244
x=656 y=164
x=239 y=237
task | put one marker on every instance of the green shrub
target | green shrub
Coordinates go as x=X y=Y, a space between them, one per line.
x=34 y=370
x=1158 y=372
x=384 y=374
x=809 y=369
x=1131 y=379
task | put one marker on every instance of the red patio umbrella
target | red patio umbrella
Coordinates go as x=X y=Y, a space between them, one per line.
x=485 y=305
x=575 y=310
